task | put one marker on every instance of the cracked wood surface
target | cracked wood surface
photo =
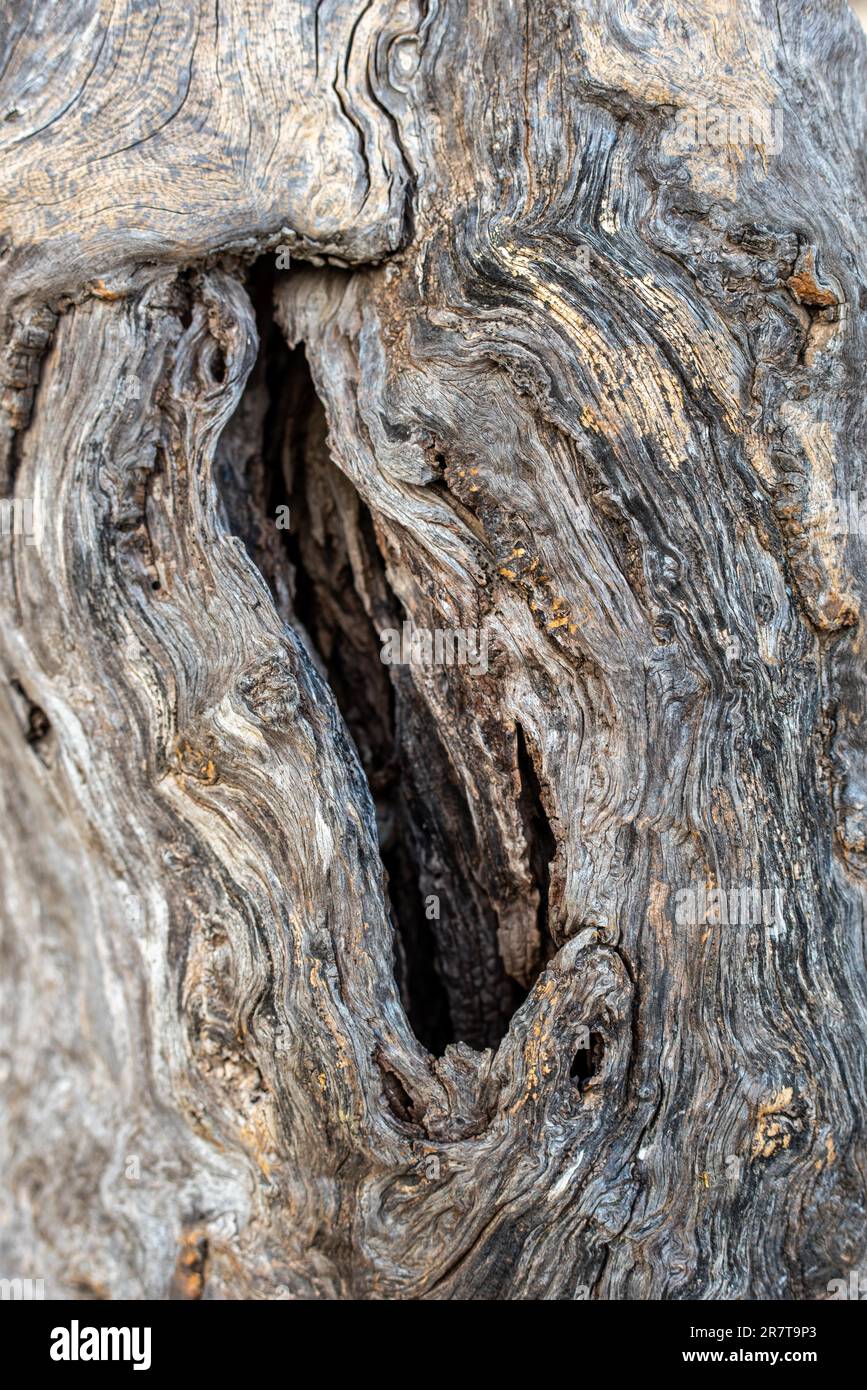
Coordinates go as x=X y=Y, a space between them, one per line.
x=575 y=384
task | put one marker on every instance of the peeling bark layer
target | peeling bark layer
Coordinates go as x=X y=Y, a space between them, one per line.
x=544 y=367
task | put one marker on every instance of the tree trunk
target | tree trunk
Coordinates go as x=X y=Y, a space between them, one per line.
x=526 y=961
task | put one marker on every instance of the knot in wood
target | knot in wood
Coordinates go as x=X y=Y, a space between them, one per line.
x=269 y=692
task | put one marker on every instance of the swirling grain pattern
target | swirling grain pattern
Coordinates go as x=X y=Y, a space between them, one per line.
x=596 y=385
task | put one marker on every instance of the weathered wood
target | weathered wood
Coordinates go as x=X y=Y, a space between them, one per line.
x=330 y=978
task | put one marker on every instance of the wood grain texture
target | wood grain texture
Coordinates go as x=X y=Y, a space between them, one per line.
x=571 y=381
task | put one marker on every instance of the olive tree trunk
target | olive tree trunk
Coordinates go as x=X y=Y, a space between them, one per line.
x=536 y=331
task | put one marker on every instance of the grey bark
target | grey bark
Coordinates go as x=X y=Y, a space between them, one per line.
x=542 y=369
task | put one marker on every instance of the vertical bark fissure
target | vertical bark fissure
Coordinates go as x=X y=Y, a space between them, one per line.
x=323 y=520
x=328 y=564
x=541 y=843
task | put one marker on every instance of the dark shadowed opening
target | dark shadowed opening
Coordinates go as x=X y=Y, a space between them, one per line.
x=316 y=543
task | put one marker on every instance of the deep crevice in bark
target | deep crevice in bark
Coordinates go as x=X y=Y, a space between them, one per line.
x=342 y=598
x=541 y=844
x=328 y=564
x=329 y=561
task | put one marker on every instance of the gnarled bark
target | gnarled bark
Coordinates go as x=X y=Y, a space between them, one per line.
x=329 y=978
